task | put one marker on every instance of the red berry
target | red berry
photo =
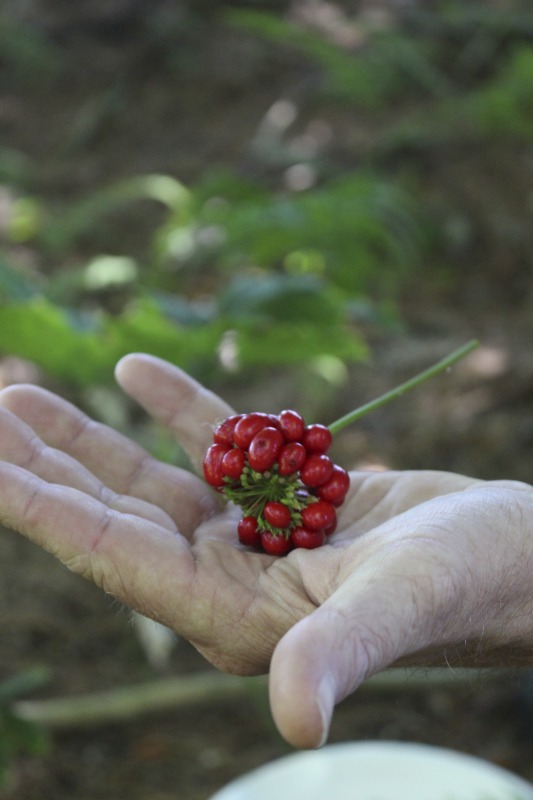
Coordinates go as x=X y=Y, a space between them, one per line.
x=264 y=449
x=224 y=431
x=334 y=491
x=292 y=425
x=318 y=516
x=317 y=470
x=233 y=463
x=317 y=438
x=331 y=528
x=248 y=533
x=275 y=544
x=291 y=458
x=277 y=514
x=212 y=464
x=301 y=537
x=247 y=427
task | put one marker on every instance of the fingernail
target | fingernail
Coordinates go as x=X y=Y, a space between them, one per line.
x=326 y=696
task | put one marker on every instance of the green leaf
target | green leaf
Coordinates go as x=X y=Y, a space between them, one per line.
x=360 y=229
x=284 y=298
x=16 y=734
x=84 y=349
x=42 y=333
x=25 y=51
x=14 y=284
x=145 y=328
x=505 y=107
x=22 y=735
x=82 y=216
x=284 y=344
x=367 y=76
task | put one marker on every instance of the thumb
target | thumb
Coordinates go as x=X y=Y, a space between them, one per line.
x=384 y=610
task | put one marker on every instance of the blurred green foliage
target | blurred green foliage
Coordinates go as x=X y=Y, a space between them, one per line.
x=18 y=736
x=292 y=260
x=274 y=273
x=504 y=109
x=25 y=54
x=392 y=61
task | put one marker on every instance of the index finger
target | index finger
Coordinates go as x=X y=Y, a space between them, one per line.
x=175 y=399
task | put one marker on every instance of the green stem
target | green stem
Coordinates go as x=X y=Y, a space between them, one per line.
x=412 y=383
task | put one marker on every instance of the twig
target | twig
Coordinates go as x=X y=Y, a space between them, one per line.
x=130 y=702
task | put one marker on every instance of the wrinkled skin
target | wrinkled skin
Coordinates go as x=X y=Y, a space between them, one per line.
x=424 y=568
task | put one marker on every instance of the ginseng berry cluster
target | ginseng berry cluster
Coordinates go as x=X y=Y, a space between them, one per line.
x=276 y=468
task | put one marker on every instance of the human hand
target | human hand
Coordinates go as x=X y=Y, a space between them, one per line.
x=425 y=567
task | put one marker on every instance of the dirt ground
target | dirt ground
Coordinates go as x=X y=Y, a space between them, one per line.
x=478 y=421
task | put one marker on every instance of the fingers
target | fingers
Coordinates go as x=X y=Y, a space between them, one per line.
x=194 y=590
x=119 y=463
x=174 y=398
x=21 y=446
x=129 y=557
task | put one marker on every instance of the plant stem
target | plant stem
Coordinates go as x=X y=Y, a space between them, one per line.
x=398 y=391
x=125 y=703
x=129 y=702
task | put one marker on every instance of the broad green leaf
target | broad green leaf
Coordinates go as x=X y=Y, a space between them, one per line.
x=85 y=350
x=284 y=298
x=278 y=345
x=42 y=333
x=144 y=328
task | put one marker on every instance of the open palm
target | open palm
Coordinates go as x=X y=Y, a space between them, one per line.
x=156 y=537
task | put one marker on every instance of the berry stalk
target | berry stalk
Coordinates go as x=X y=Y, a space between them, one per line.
x=402 y=388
